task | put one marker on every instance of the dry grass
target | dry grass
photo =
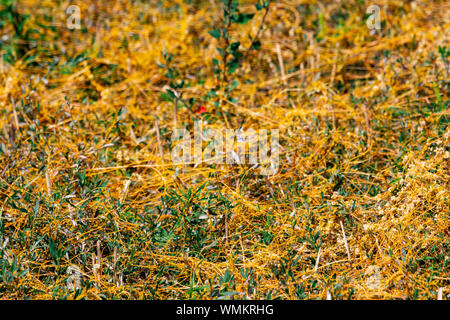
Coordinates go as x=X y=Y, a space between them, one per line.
x=359 y=208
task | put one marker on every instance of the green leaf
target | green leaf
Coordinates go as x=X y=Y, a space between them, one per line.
x=437 y=94
x=243 y=18
x=171 y=94
x=166 y=97
x=256 y=45
x=215 y=33
x=232 y=66
x=264 y=5
x=53 y=250
x=228 y=293
x=235 y=46
x=234 y=85
x=36 y=208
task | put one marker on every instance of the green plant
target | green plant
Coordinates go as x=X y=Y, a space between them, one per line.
x=20 y=43
x=173 y=93
x=231 y=53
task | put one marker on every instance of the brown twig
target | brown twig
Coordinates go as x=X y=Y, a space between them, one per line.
x=158 y=137
x=115 y=266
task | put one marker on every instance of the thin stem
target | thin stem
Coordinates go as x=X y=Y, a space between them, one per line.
x=257 y=33
x=175 y=113
x=224 y=80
